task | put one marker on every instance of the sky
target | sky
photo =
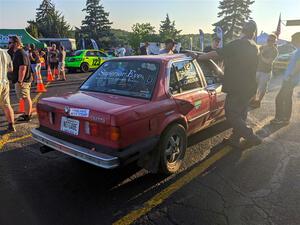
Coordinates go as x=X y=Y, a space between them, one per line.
x=189 y=15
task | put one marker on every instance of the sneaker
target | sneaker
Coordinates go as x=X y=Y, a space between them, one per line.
x=11 y=128
x=24 y=118
x=253 y=141
x=232 y=141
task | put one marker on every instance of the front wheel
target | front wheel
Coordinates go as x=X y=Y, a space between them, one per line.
x=84 y=67
x=172 y=147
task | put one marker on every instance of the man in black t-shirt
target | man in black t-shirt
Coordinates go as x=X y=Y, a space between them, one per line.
x=240 y=61
x=21 y=76
x=144 y=49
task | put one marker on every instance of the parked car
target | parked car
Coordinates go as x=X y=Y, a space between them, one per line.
x=139 y=108
x=86 y=60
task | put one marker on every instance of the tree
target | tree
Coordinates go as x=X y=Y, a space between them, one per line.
x=141 y=32
x=32 y=29
x=167 y=29
x=233 y=13
x=96 y=24
x=48 y=22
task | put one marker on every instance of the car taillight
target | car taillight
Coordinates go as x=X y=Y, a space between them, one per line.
x=115 y=133
x=101 y=130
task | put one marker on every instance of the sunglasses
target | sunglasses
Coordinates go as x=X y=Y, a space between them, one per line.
x=11 y=42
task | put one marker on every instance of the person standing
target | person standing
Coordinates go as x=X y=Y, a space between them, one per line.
x=53 y=58
x=35 y=62
x=169 y=47
x=240 y=61
x=144 y=49
x=267 y=55
x=121 y=51
x=5 y=67
x=284 y=100
x=61 y=63
x=215 y=44
x=21 y=77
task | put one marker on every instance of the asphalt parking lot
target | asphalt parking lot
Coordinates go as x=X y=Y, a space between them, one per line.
x=216 y=185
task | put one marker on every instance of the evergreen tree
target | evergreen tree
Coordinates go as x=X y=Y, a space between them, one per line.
x=32 y=29
x=167 y=29
x=233 y=13
x=96 y=24
x=49 y=22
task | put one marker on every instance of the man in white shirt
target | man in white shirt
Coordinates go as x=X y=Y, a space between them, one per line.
x=5 y=67
x=121 y=51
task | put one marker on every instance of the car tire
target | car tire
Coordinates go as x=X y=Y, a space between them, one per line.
x=84 y=67
x=172 y=147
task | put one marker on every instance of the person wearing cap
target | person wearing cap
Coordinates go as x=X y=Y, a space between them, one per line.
x=284 y=99
x=215 y=44
x=240 y=61
x=169 y=47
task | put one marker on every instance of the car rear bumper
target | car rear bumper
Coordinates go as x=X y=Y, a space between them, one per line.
x=96 y=158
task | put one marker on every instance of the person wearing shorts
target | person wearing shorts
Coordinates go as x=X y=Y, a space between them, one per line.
x=35 y=62
x=21 y=76
x=61 y=63
x=5 y=67
x=267 y=55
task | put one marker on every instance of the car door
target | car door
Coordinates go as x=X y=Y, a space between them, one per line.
x=92 y=59
x=102 y=57
x=213 y=76
x=187 y=89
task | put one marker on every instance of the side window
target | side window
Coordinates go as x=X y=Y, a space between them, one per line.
x=90 y=53
x=187 y=76
x=173 y=86
x=100 y=54
x=210 y=72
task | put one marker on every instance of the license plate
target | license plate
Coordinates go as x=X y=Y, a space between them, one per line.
x=70 y=126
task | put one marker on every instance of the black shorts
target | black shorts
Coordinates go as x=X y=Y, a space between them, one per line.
x=53 y=65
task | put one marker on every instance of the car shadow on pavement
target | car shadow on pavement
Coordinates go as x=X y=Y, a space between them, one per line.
x=207 y=133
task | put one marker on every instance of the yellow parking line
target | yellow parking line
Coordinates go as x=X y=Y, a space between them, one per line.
x=166 y=193
x=19 y=138
x=6 y=138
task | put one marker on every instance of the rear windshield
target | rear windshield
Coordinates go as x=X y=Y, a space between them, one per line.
x=134 y=78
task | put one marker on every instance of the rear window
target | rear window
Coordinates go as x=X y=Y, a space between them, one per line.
x=132 y=78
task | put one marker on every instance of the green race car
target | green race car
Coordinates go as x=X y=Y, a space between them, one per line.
x=86 y=60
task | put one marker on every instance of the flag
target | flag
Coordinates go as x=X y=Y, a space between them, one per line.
x=219 y=32
x=201 y=33
x=278 y=30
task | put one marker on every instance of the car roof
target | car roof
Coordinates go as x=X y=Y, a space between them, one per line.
x=164 y=57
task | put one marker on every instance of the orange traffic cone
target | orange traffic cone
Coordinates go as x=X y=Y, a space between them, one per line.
x=21 y=106
x=40 y=87
x=49 y=75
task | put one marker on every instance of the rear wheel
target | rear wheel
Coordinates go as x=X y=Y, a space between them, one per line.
x=84 y=67
x=172 y=147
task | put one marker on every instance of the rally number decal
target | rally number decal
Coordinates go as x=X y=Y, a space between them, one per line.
x=96 y=62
